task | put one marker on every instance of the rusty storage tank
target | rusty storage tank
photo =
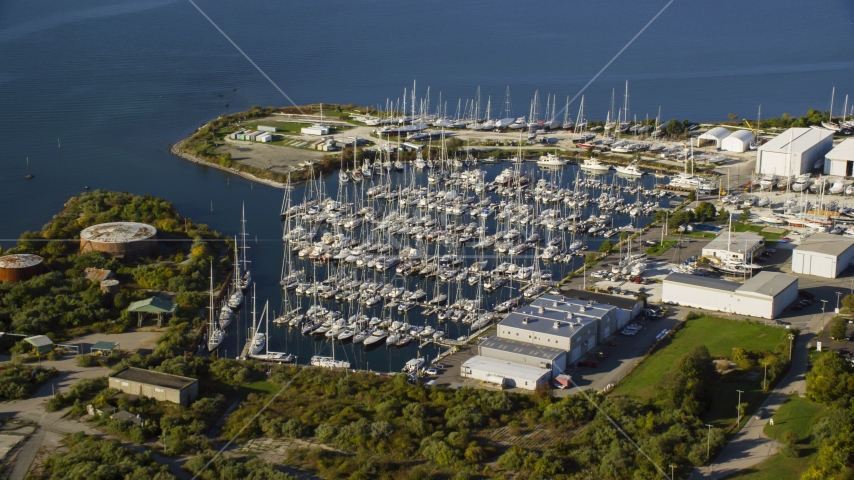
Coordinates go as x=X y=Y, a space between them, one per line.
x=121 y=239
x=20 y=267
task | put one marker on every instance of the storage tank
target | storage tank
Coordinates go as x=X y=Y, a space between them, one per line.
x=121 y=239
x=20 y=267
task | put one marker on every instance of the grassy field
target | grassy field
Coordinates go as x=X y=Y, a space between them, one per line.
x=770 y=237
x=794 y=414
x=776 y=467
x=720 y=336
x=660 y=248
x=701 y=235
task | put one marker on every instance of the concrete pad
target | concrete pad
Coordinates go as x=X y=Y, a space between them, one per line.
x=8 y=441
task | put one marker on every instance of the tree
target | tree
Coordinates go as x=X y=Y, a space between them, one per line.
x=745 y=216
x=688 y=383
x=704 y=211
x=732 y=117
x=838 y=329
x=848 y=302
x=606 y=246
x=692 y=195
x=829 y=380
x=590 y=258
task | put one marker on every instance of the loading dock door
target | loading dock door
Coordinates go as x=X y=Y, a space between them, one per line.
x=798 y=262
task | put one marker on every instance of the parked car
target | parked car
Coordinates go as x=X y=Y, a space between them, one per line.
x=759 y=414
x=441 y=365
x=771 y=250
x=786 y=239
x=588 y=363
x=431 y=371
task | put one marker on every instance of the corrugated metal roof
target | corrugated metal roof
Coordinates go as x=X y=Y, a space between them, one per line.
x=152 y=305
x=623 y=303
x=20 y=260
x=39 y=341
x=503 y=368
x=737 y=241
x=154 y=378
x=552 y=322
x=767 y=283
x=521 y=348
x=698 y=281
x=118 y=232
x=826 y=243
x=804 y=139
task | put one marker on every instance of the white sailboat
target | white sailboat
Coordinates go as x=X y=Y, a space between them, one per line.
x=259 y=339
x=215 y=335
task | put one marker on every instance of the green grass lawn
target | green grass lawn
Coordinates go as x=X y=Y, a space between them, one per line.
x=660 y=248
x=769 y=237
x=776 y=467
x=795 y=414
x=720 y=336
x=701 y=235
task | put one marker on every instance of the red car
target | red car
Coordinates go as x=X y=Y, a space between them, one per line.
x=786 y=239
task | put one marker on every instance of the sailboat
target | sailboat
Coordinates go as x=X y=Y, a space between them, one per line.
x=235 y=301
x=246 y=279
x=829 y=123
x=215 y=335
x=259 y=339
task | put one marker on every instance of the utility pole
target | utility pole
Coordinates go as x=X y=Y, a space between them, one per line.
x=765 y=379
x=738 y=408
x=823 y=304
x=672 y=469
x=838 y=294
x=791 y=345
x=709 y=444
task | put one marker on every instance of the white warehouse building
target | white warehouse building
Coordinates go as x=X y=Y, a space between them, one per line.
x=505 y=373
x=738 y=141
x=765 y=295
x=716 y=135
x=807 y=145
x=840 y=160
x=823 y=255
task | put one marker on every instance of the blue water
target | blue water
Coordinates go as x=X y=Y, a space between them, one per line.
x=118 y=82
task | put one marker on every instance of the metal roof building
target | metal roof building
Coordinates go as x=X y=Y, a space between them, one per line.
x=627 y=308
x=736 y=246
x=807 y=145
x=840 y=160
x=41 y=343
x=716 y=135
x=823 y=255
x=738 y=141
x=524 y=353
x=505 y=373
x=156 y=385
x=764 y=295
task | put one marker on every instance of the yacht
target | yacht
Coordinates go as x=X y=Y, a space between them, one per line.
x=630 y=169
x=413 y=366
x=768 y=181
x=378 y=336
x=258 y=342
x=837 y=187
x=801 y=183
x=226 y=315
x=594 y=165
x=551 y=160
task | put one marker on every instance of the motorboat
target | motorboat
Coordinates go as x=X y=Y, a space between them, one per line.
x=837 y=187
x=629 y=170
x=768 y=181
x=551 y=160
x=378 y=336
x=258 y=342
x=594 y=165
x=801 y=183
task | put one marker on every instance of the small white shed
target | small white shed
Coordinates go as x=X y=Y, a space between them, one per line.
x=823 y=255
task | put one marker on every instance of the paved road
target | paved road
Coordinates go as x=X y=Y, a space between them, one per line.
x=750 y=446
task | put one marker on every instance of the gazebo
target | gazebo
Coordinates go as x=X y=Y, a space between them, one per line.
x=155 y=305
x=41 y=343
x=103 y=348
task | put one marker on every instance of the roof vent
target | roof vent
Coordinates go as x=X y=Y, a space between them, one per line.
x=556 y=325
x=525 y=321
x=554 y=304
x=589 y=303
x=569 y=316
x=542 y=310
x=582 y=308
